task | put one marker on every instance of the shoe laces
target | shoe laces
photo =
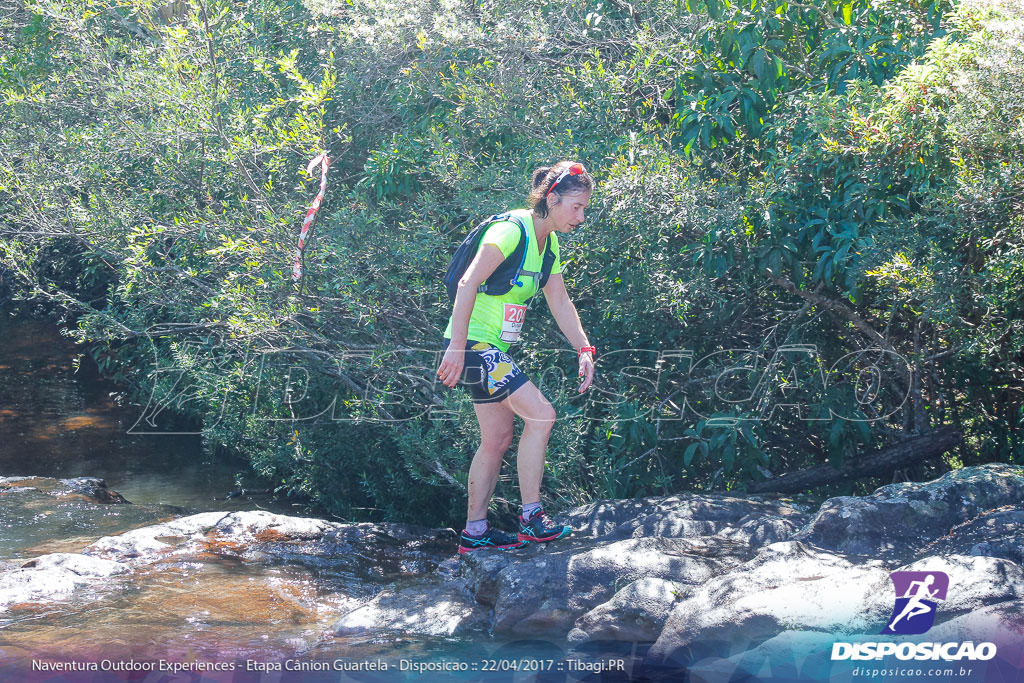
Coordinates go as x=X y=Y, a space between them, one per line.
x=543 y=517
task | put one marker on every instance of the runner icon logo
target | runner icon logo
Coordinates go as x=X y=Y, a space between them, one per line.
x=916 y=596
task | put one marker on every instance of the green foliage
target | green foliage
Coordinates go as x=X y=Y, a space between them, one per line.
x=757 y=53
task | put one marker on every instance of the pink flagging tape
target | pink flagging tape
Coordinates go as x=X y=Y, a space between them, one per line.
x=322 y=161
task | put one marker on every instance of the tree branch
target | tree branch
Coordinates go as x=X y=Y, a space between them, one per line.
x=836 y=307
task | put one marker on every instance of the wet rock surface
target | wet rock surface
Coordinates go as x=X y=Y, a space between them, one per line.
x=714 y=581
x=425 y=608
x=89 y=489
x=371 y=552
x=53 y=576
x=41 y=515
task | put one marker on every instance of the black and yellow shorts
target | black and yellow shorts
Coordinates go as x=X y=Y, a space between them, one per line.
x=489 y=373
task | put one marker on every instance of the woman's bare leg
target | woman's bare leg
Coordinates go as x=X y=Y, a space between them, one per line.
x=538 y=419
x=495 y=438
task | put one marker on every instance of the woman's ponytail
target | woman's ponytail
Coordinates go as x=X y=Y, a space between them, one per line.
x=539 y=175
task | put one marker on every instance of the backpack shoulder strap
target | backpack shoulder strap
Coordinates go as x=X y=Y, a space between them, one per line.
x=546 y=264
x=521 y=247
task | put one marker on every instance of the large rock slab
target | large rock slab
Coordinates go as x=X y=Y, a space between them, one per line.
x=793 y=587
x=705 y=577
x=531 y=596
x=806 y=655
x=636 y=613
x=53 y=577
x=373 y=552
x=752 y=520
x=898 y=521
x=422 y=609
x=786 y=586
x=542 y=589
x=993 y=533
x=595 y=575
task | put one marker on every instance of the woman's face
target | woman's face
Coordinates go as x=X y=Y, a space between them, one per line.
x=565 y=211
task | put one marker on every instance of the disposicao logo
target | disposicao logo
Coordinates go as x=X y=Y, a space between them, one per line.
x=917 y=596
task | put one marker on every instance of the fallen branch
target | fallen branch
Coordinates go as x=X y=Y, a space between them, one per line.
x=883 y=462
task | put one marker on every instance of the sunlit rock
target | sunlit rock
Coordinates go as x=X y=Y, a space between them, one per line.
x=688 y=515
x=51 y=577
x=431 y=610
x=899 y=520
x=993 y=533
x=637 y=612
x=786 y=586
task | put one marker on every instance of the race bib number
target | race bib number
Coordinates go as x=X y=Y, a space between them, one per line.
x=513 y=323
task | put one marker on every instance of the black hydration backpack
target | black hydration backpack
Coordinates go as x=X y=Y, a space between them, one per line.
x=506 y=274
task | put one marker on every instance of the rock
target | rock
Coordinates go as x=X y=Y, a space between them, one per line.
x=793 y=587
x=373 y=551
x=369 y=551
x=993 y=533
x=806 y=656
x=479 y=572
x=758 y=531
x=897 y=521
x=531 y=596
x=149 y=543
x=94 y=489
x=51 y=577
x=787 y=586
x=89 y=489
x=689 y=515
x=717 y=582
x=637 y=612
x=427 y=610
x=595 y=575
x=541 y=591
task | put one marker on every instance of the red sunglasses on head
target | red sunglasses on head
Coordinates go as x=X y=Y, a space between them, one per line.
x=575 y=169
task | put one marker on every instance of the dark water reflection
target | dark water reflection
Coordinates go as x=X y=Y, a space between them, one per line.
x=56 y=422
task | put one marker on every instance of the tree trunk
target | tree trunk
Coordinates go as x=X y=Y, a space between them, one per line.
x=902 y=454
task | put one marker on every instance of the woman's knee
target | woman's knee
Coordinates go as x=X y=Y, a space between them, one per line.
x=542 y=417
x=497 y=441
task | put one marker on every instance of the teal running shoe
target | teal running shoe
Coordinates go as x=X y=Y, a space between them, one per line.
x=493 y=539
x=540 y=528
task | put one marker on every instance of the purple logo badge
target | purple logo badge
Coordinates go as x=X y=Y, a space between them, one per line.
x=916 y=596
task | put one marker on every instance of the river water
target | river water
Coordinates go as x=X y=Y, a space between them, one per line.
x=59 y=422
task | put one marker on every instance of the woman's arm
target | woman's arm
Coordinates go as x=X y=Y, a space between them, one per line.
x=482 y=267
x=568 y=319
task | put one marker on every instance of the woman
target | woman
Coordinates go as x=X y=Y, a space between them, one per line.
x=479 y=333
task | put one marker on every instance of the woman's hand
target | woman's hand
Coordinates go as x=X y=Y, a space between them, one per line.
x=450 y=369
x=586 y=370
